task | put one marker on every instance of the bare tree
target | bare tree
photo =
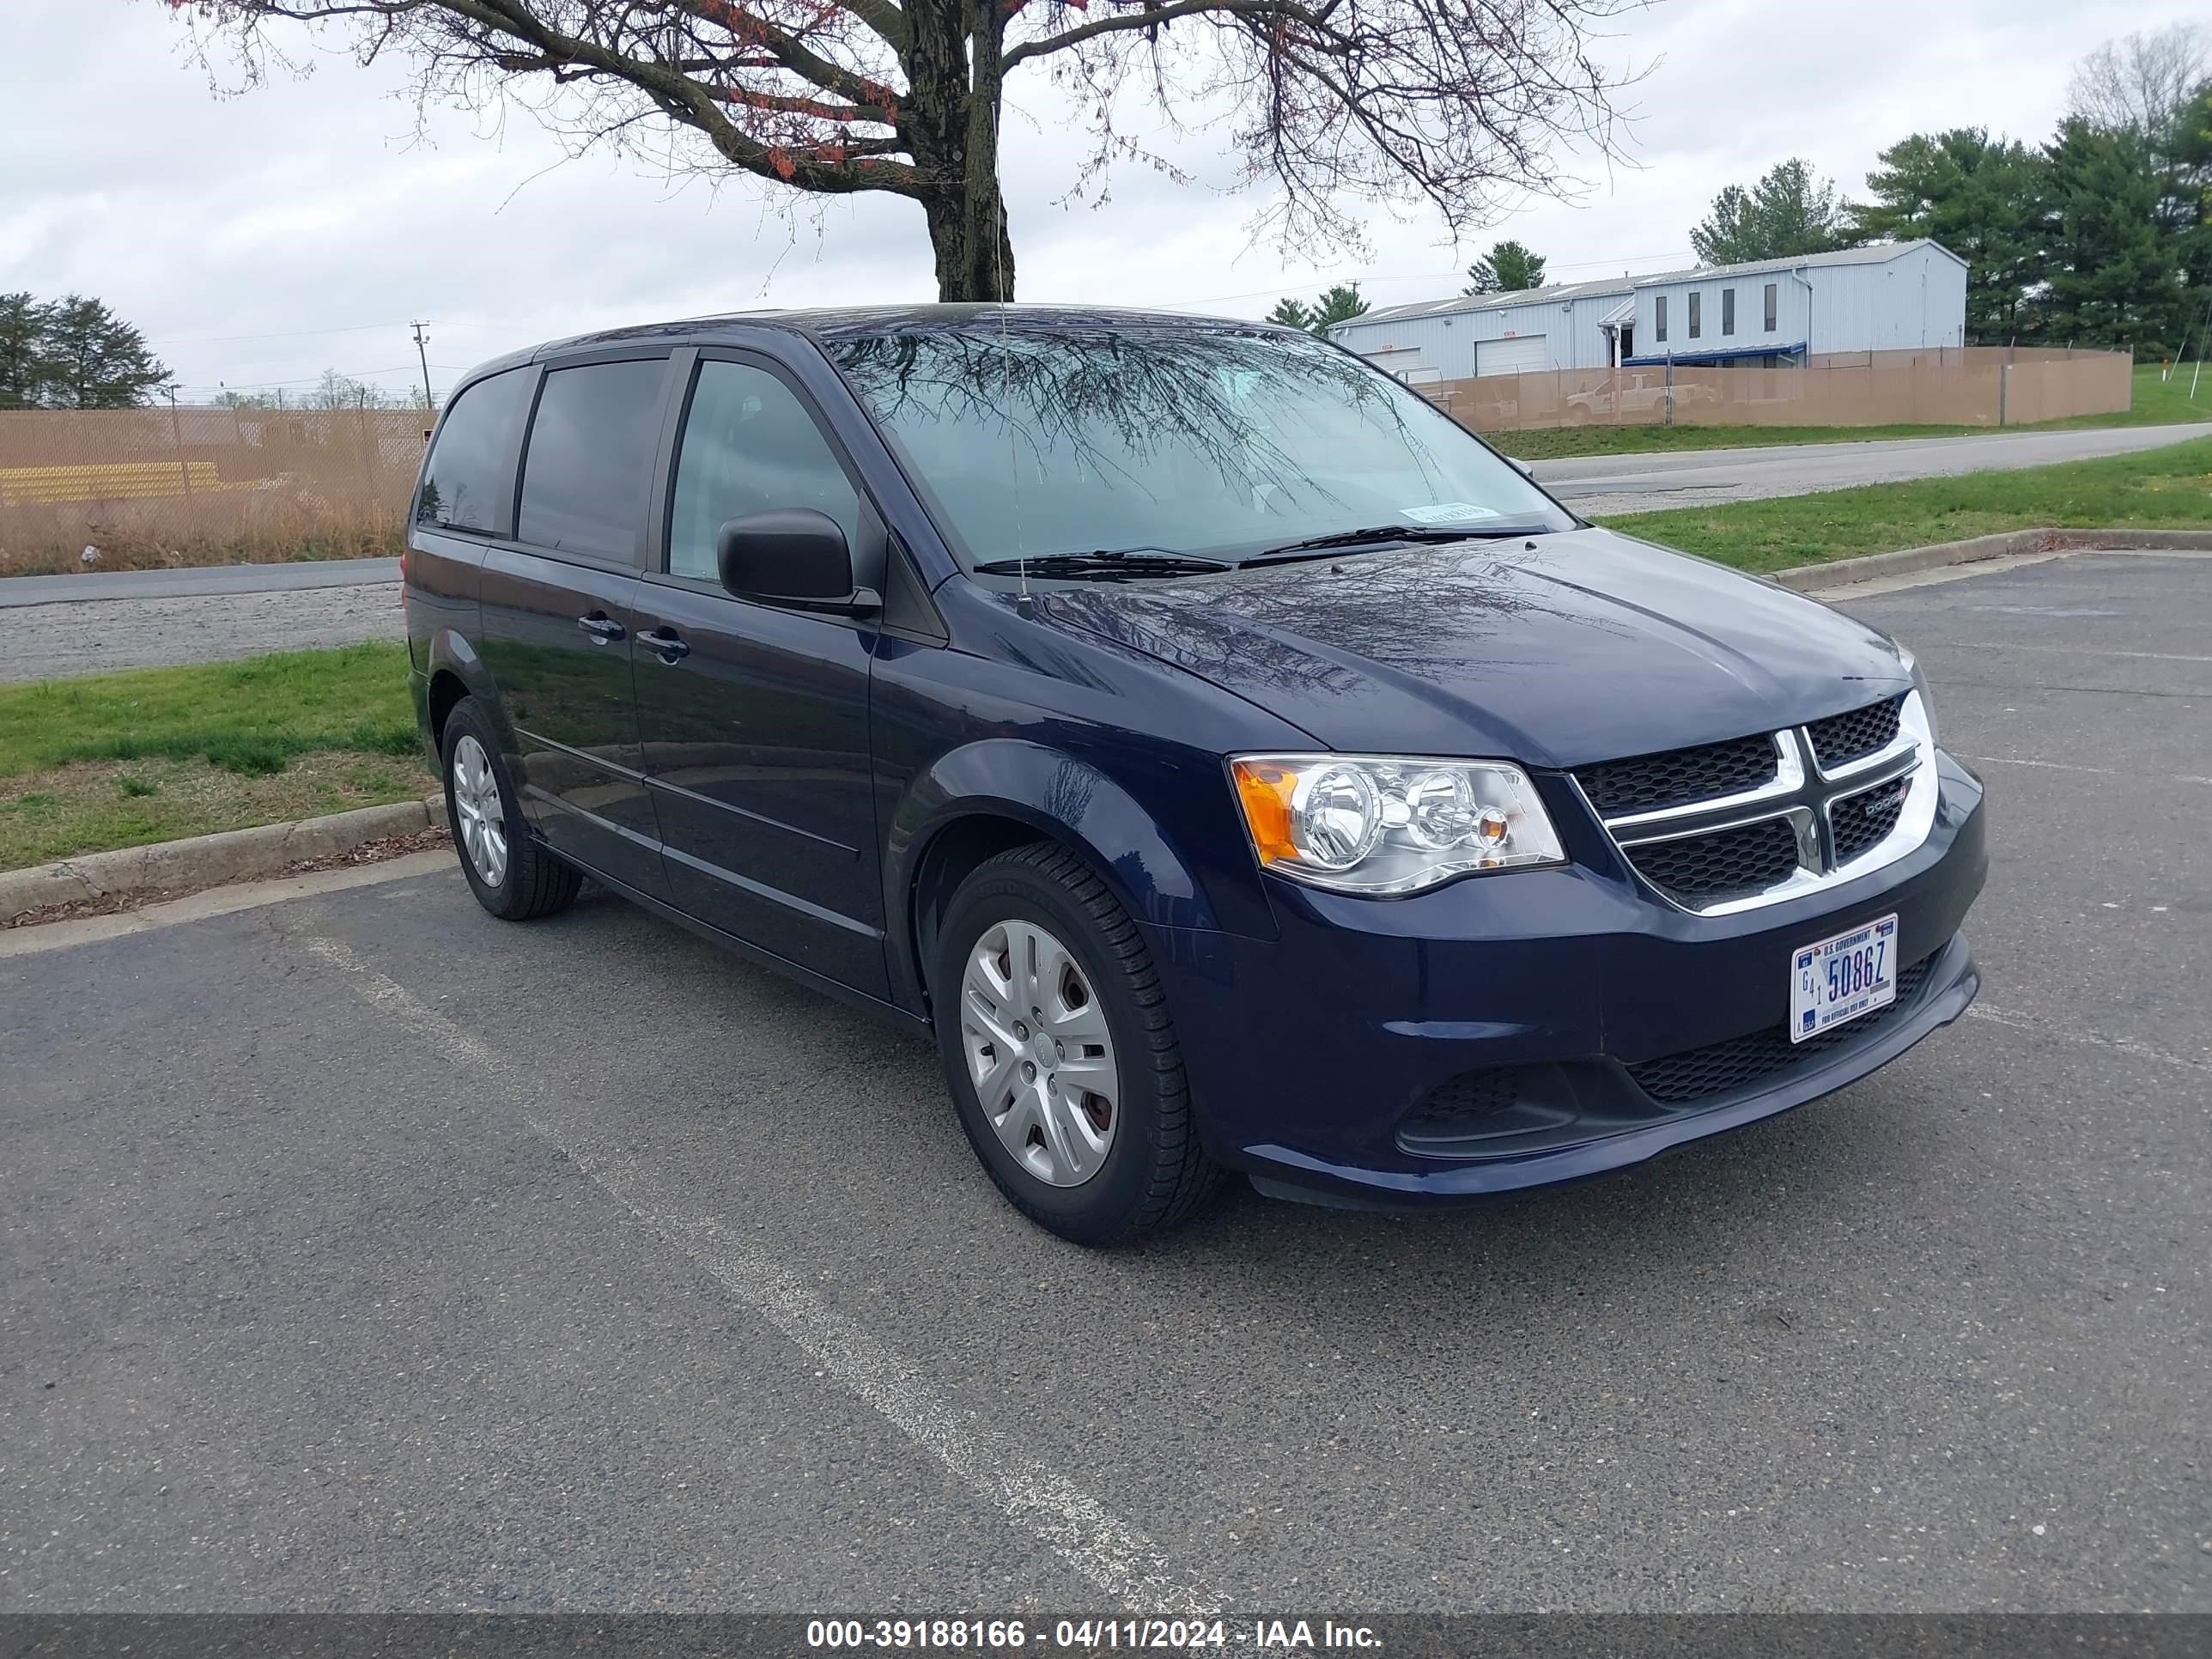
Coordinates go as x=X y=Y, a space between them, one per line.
x=2143 y=81
x=1331 y=104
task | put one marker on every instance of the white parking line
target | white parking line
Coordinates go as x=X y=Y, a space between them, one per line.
x=1033 y=1498
x=2068 y=650
x=2093 y=1039
x=2067 y=766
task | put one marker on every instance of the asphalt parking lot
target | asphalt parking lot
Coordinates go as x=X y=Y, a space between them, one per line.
x=363 y=1252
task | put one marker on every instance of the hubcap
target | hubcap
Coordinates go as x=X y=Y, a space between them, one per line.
x=1039 y=1052
x=477 y=805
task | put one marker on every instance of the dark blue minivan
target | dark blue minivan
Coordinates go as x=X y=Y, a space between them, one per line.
x=1233 y=763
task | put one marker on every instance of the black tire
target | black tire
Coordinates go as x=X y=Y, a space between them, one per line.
x=535 y=883
x=1154 y=1174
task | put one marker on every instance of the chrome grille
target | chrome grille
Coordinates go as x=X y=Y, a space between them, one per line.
x=1723 y=1067
x=1726 y=826
x=1651 y=783
x=1842 y=739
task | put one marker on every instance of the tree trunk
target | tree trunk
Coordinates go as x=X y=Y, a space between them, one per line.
x=955 y=76
x=971 y=263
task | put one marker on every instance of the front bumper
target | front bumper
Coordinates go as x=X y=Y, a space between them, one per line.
x=1309 y=1054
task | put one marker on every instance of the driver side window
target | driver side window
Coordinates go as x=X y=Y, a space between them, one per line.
x=750 y=445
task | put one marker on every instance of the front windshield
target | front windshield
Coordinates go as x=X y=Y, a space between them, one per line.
x=1050 y=439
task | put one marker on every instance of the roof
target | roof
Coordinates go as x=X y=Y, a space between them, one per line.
x=1506 y=300
x=1873 y=253
x=829 y=325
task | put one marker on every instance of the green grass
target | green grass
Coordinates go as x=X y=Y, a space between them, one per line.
x=250 y=717
x=87 y=806
x=151 y=754
x=2168 y=489
x=2155 y=404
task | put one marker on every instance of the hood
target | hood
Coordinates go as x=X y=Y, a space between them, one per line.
x=1576 y=648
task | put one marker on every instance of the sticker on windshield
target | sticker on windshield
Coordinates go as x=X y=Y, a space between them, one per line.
x=1446 y=512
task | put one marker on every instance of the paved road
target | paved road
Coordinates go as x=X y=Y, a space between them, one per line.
x=1601 y=484
x=85 y=624
x=364 y=1252
x=193 y=582
x=90 y=636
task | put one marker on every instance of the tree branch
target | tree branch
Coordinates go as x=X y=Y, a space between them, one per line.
x=1152 y=17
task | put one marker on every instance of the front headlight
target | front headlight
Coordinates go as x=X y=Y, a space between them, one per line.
x=1365 y=824
x=1920 y=685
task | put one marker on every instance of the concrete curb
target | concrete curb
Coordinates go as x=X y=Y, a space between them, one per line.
x=209 y=861
x=1842 y=573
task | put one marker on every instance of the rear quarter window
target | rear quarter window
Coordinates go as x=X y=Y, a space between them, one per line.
x=475 y=453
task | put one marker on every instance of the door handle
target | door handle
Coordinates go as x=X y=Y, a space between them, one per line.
x=604 y=629
x=668 y=642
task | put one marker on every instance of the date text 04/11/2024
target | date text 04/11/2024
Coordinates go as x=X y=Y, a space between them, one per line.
x=1087 y=1635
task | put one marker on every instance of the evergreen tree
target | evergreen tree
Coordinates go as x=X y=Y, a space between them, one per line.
x=1339 y=304
x=1787 y=212
x=1510 y=267
x=22 y=351
x=94 y=359
x=2115 y=279
x=1981 y=197
x=2192 y=167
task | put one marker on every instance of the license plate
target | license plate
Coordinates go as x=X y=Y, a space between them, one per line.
x=1841 y=978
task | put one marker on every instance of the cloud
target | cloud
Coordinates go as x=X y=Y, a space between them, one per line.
x=310 y=214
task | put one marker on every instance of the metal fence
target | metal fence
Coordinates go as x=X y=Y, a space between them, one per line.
x=1969 y=385
x=141 y=487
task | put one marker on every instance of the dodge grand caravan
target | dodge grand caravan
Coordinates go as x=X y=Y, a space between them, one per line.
x=1233 y=763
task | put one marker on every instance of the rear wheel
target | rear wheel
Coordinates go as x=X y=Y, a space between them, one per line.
x=512 y=875
x=1061 y=1054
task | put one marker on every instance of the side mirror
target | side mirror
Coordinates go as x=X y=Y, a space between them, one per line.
x=793 y=555
x=1521 y=466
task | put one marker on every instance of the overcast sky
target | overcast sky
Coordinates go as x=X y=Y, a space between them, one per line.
x=261 y=237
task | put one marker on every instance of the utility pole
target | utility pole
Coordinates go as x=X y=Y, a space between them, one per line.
x=422 y=351
x=177 y=437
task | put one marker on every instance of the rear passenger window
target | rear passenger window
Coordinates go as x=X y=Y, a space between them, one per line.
x=584 y=481
x=474 y=456
x=749 y=447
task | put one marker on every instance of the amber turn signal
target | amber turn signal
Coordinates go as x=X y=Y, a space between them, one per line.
x=1264 y=789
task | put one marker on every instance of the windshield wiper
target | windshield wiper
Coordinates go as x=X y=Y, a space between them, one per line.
x=1106 y=562
x=1382 y=535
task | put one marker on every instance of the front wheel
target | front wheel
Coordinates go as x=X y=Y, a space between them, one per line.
x=1061 y=1054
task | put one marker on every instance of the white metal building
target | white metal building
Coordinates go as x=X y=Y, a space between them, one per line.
x=1887 y=296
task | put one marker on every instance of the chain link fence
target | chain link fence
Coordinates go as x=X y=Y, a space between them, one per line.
x=135 y=488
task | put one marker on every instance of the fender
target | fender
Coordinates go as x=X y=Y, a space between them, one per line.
x=449 y=652
x=1061 y=796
